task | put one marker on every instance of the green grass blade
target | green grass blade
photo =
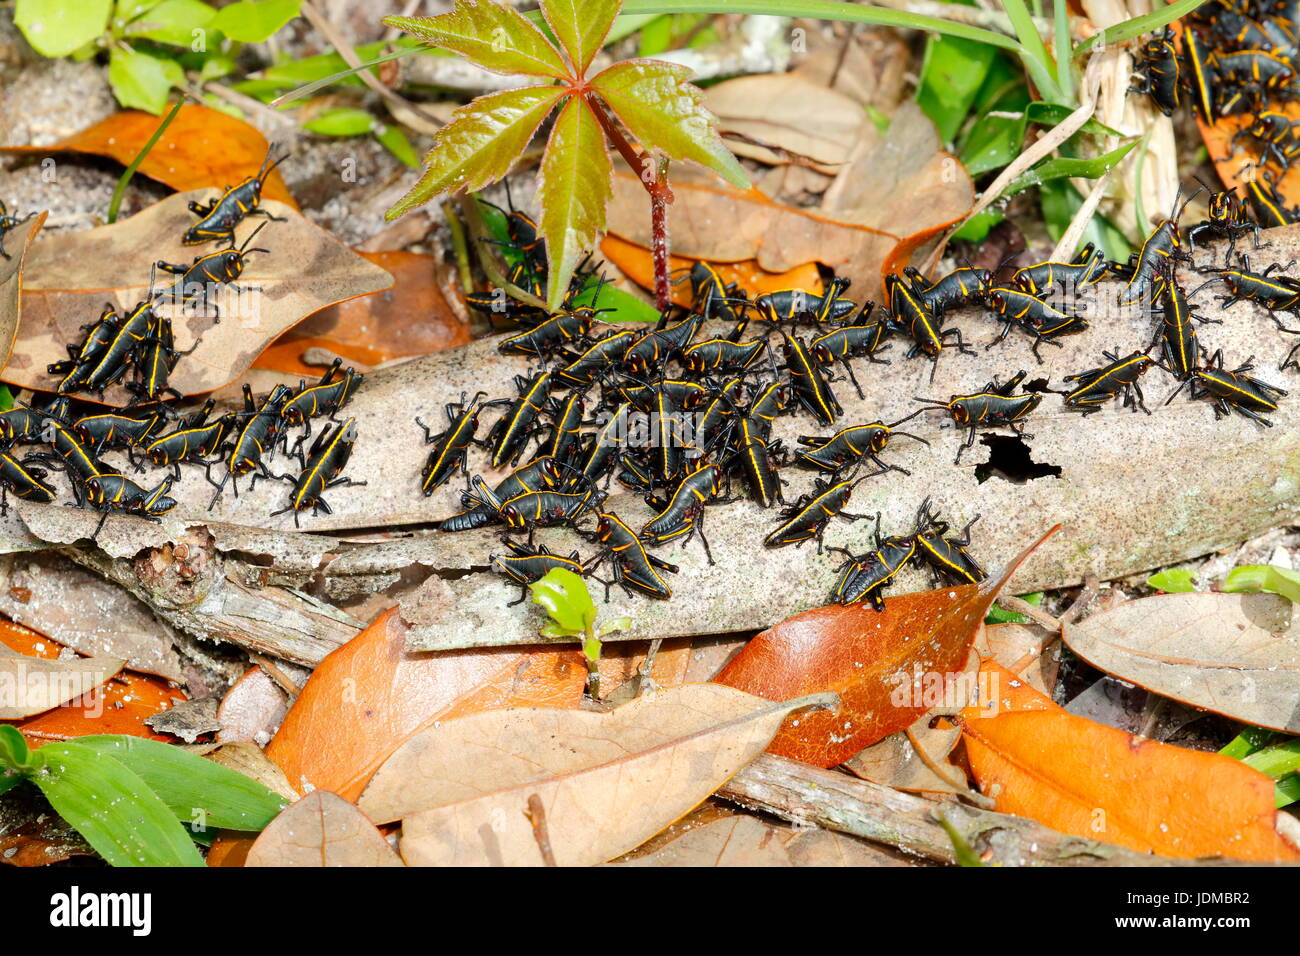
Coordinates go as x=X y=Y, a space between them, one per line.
x=1063 y=167
x=113 y=808
x=119 y=191
x=1064 y=62
x=194 y=788
x=824 y=10
x=1033 y=52
x=1147 y=23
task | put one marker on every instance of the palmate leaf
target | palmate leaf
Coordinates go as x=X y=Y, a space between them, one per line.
x=581 y=27
x=574 y=190
x=497 y=38
x=480 y=143
x=663 y=111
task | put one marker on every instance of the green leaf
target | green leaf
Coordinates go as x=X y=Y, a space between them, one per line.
x=1264 y=577
x=141 y=81
x=1050 y=114
x=613 y=625
x=394 y=140
x=1060 y=201
x=952 y=74
x=1136 y=26
x=666 y=113
x=626 y=307
x=1067 y=167
x=581 y=27
x=1000 y=615
x=14 y=752
x=112 y=808
x=59 y=27
x=566 y=599
x=574 y=188
x=495 y=37
x=253 y=21
x=480 y=144
x=344 y=121
x=825 y=10
x=6 y=398
x=193 y=787
x=1247 y=742
x=498 y=228
x=1061 y=50
x=1033 y=52
x=978 y=227
x=1173 y=581
x=172 y=22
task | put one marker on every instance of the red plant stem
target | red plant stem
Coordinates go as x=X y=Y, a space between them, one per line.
x=653 y=174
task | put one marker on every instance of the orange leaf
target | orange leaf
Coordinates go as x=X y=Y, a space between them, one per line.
x=411 y=318
x=638 y=265
x=201 y=148
x=121 y=706
x=1084 y=778
x=371 y=694
x=889 y=667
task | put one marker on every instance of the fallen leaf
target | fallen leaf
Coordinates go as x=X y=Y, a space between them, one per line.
x=69 y=277
x=188 y=720
x=889 y=667
x=371 y=694
x=637 y=264
x=1019 y=648
x=802 y=119
x=248 y=759
x=742 y=840
x=897 y=761
x=252 y=709
x=726 y=225
x=11 y=279
x=1234 y=654
x=925 y=189
x=1093 y=781
x=321 y=829
x=203 y=148
x=607 y=782
x=33 y=685
x=121 y=707
x=410 y=318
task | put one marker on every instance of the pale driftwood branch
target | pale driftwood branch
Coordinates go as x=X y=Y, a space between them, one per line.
x=803 y=794
x=268 y=620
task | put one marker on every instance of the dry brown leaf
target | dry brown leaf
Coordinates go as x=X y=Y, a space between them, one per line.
x=201 y=148
x=906 y=184
x=371 y=694
x=726 y=225
x=252 y=709
x=607 y=781
x=897 y=761
x=321 y=829
x=11 y=279
x=800 y=118
x=68 y=279
x=742 y=840
x=1234 y=654
x=1019 y=648
x=248 y=759
x=33 y=685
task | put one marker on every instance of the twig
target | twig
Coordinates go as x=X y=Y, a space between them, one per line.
x=656 y=185
x=803 y=795
x=119 y=191
x=1010 y=602
x=1082 y=217
x=536 y=814
x=461 y=249
x=403 y=110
